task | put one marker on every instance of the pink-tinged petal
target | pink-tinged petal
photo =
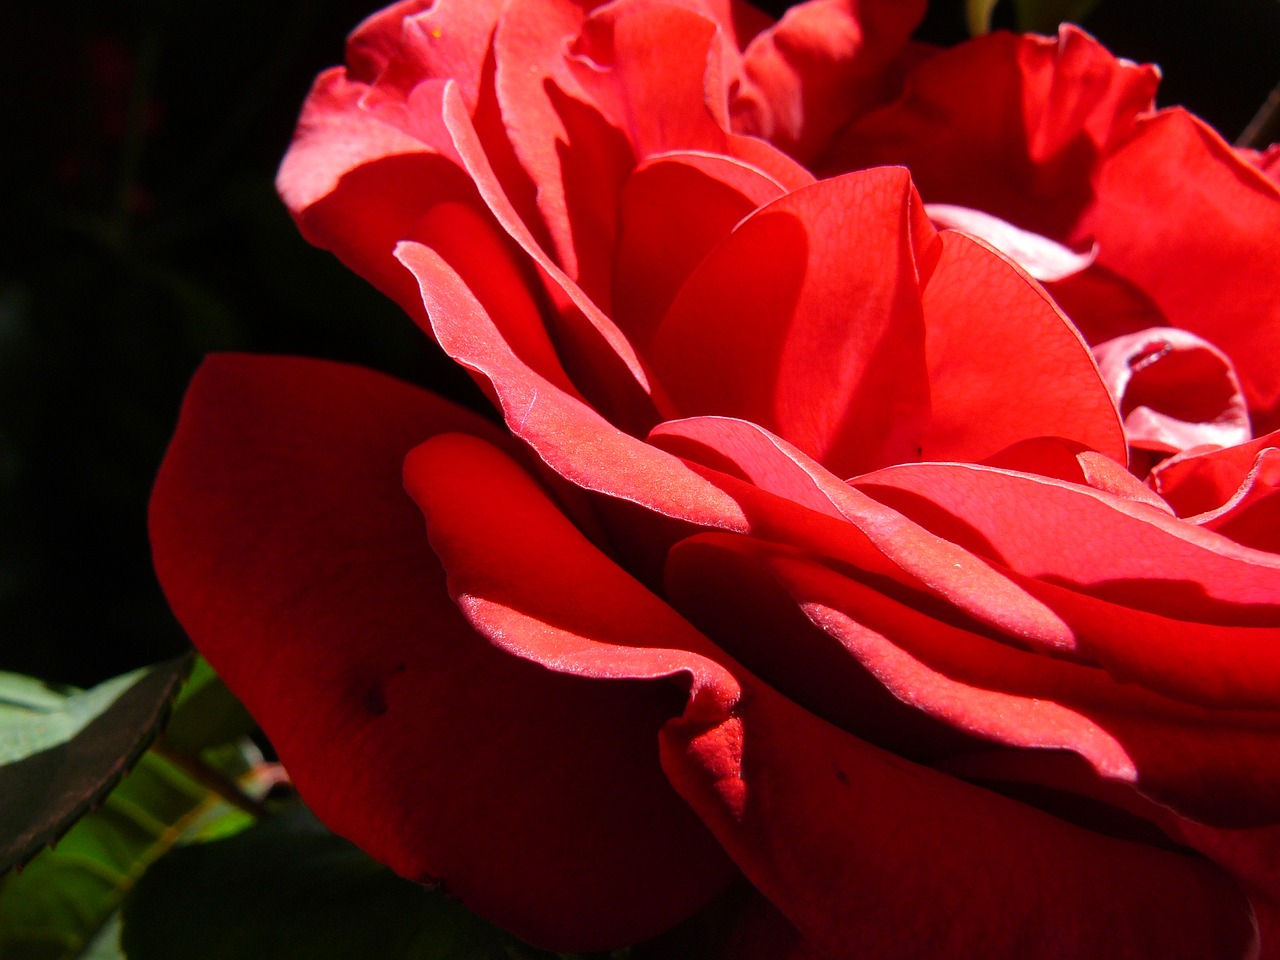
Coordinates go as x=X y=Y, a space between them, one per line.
x=650 y=63
x=1103 y=546
x=1174 y=390
x=1040 y=257
x=825 y=62
x=560 y=428
x=357 y=184
x=1205 y=762
x=1009 y=125
x=742 y=449
x=807 y=320
x=598 y=356
x=789 y=498
x=1176 y=211
x=848 y=841
x=615 y=854
x=478 y=250
x=675 y=209
x=1004 y=364
x=556 y=424
x=574 y=157
x=399 y=47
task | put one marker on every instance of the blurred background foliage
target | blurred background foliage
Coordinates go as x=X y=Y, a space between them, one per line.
x=139 y=230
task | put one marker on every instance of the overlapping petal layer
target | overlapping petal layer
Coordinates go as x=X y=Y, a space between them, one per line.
x=599 y=211
x=291 y=554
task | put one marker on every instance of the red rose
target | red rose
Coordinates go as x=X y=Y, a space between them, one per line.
x=993 y=696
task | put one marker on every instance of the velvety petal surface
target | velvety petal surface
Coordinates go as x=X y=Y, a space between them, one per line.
x=1004 y=364
x=819 y=67
x=356 y=184
x=1205 y=215
x=297 y=563
x=808 y=318
x=1009 y=125
x=1234 y=490
x=675 y=210
x=988 y=688
x=1058 y=137
x=849 y=841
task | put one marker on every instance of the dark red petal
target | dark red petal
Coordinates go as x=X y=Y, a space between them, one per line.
x=807 y=320
x=610 y=854
x=296 y=561
x=1006 y=124
x=1004 y=364
x=357 y=184
x=1177 y=211
x=674 y=210
x=871 y=856
x=1207 y=762
x=590 y=343
x=821 y=65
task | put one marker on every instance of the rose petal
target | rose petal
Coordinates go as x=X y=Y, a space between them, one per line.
x=675 y=209
x=1004 y=364
x=1058 y=137
x=591 y=345
x=397 y=48
x=1009 y=125
x=807 y=318
x=1106 y=547
x=820 y=66
x=295 y=560
x=557 y=425
x=1039 y=256
x=1201 y=481
x=356 y=184
x=627 y=856
x=1062 y=460
x=1234 y=491
x=849 y=841
x=1206 y=215
x=1204 y=762
x=1174 y=390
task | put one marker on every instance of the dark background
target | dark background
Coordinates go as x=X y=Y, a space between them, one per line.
x=139 y=230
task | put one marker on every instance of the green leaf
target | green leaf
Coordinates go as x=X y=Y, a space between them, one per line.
x=206 y=714
x=64 y=904
x=978 y=16
x=287 y=889
x=63 y=749
x=1043 y=16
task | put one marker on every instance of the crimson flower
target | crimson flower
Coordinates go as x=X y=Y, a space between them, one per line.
x=879 y=551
